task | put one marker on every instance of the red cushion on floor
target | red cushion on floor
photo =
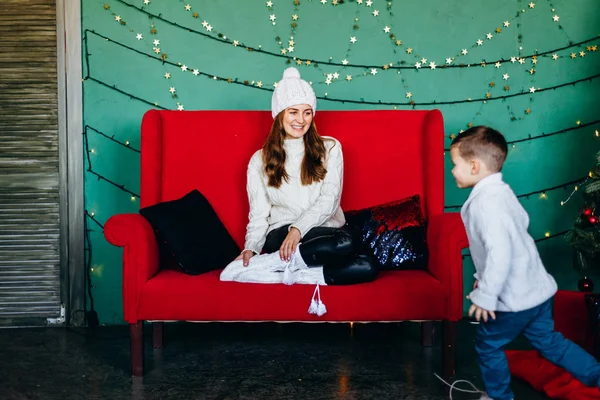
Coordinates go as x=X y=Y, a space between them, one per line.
x=546 y=377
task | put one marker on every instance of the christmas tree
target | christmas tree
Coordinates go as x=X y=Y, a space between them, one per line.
x=585 y=235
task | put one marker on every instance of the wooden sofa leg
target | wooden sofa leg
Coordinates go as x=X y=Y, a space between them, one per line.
x=448 y=348
x=427 y=333
x=137 y=348
x=157 y=334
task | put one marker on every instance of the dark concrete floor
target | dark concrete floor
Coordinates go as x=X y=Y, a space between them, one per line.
x=235 y=361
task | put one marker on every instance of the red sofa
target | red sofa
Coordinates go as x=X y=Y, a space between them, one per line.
x=388 y=155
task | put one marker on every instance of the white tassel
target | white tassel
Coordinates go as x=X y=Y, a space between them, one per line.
x=314 y=306
x=321 y=309
x=288 y=278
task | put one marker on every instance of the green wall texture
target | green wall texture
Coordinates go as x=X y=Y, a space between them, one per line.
x=126 y=77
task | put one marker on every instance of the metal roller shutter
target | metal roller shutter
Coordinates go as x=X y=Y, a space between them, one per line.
x=29 y=158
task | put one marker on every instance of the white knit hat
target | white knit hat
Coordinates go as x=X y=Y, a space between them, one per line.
x=292 y=90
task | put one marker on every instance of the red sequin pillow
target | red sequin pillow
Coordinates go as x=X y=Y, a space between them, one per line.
x=394 y=233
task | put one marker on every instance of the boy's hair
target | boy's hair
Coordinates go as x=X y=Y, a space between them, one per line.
x=484 y=143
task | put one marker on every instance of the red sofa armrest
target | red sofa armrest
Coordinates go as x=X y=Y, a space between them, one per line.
x=446 y=237
x=140 y=256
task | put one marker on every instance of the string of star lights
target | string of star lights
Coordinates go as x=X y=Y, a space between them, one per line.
x=89 y=151
x=398 y=65
x=196 y=72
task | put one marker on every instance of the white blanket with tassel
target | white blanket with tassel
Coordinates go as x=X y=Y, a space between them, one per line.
x=269 y=268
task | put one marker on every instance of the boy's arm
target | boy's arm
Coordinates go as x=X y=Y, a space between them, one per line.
x=492 y=225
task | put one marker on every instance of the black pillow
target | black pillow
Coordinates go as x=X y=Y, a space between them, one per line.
x=592 y=302
x=394 y=233
x=189 y=231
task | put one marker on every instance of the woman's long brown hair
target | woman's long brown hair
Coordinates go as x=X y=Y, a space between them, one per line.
x=273 y=155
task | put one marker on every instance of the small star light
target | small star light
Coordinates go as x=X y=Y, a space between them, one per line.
x=156 y=42
x=556 y=18
x=582 y=54
x=373 y=71
x=489 y=36
x=269 y=4
x=295 y=17
x=464 y=52
x=498 y=64
x=236 y=43
x=448 y=60
x=409 y=51
x=172 y=90
x=184 y=67
x=408 y=95
x=386 y=29
x=369 y=3
x=547 y=234
x=532 y=89
x=179 y=107
x=375 y=13
x=139 y=36
x=479 y=42
x=506 y=24
x=505 y=77
x=432 y=65
x=531 y=5
x=167 y=75
x=353 y=39
x=157 y=50
x=345 y=62
x=196 y=72
x=423 y=60
x=348 y=78
x=259 y=84
x=188 y=7
x=272 y=17
x=146 y=2
x=417 y=65
x=118 y=18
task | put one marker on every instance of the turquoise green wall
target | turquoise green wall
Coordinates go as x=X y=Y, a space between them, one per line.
x=120 y=78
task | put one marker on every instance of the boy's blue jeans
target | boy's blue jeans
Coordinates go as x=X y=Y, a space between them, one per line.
x=537 y=326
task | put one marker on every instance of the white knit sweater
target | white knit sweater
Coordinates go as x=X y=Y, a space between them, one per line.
x=509 y=269
x=304 y=207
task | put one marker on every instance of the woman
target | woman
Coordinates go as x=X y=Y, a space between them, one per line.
x=294 y=189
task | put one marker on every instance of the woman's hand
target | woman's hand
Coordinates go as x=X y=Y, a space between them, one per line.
x=288 y=247
x=245 y=255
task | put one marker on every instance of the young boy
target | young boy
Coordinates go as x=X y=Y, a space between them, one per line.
x=513 y=291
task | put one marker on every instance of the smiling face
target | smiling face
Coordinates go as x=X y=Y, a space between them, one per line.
x=296 y=120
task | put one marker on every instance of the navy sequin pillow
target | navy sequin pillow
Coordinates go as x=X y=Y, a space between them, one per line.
x=394 y=233
x=592 y=302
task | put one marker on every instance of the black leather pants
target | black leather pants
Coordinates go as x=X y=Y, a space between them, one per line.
x=335 y=249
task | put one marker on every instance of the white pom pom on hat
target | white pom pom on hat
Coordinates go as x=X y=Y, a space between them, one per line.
x=292 y=90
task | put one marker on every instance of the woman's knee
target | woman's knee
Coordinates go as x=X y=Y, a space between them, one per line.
x=322 y=250
x=351 y=270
